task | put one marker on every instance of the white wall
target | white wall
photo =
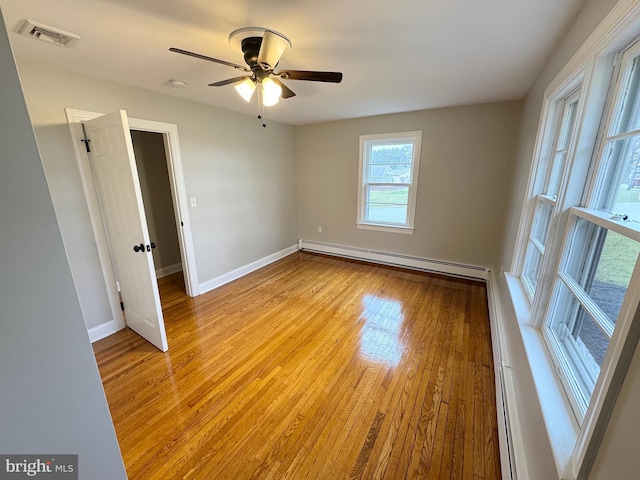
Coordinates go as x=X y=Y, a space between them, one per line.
x=623 y=431
x=243 y=175
x=463 y=181
x=51 y=396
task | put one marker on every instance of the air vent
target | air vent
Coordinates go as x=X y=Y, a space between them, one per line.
x=47 y=34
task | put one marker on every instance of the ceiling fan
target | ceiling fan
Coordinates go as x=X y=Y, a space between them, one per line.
x=263 y=48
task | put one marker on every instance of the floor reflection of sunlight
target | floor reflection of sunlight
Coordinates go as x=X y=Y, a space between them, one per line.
x=379 y=341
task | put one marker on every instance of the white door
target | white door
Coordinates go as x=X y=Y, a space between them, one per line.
x=116 y=177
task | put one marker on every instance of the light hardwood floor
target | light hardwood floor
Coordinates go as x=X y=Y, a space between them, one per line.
x=312 y=367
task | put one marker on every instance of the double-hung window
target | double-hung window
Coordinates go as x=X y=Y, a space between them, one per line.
x=600 y=248
x=388 y=181
x=581 y=242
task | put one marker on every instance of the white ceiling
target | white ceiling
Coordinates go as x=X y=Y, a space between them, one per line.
x=396 y=56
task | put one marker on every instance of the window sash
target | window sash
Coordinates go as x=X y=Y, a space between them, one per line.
x=393 y=209
x=579 y=375
x=554 y=171
x=537 y=244
x=602 y=67
x=562 y=143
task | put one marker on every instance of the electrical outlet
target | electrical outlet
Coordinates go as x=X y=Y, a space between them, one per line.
x=319 y=228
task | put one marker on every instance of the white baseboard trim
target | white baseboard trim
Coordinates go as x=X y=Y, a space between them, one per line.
x=242 y=271
x=504 y=388
x=104 y=330
x=415 y=263
x=168 y=270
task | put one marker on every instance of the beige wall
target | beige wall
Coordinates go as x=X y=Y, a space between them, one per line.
x=243 y=175
x=153 y=173
x=465 y=167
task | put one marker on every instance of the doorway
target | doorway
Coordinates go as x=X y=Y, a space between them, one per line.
x=150 y=135
x=153 y=174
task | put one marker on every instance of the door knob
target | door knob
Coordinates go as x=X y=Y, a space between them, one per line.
x=153 y=245
x=138 y=248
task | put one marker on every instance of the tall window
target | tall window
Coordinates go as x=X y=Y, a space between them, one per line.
x=388 y=180
x=601 y=248
x=546 y=199
x=595 y=247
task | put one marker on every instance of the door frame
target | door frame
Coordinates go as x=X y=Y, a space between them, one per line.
x=169 y=131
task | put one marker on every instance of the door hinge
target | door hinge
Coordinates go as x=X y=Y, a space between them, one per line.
x=182 y=224
x=122 y=306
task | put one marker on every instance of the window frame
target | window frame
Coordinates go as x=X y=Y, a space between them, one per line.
x=596 y=65
x=539 y=194
x=597 y=197
x=366 y=142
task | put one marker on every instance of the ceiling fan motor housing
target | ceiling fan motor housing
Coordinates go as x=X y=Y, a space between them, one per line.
x=251 y=49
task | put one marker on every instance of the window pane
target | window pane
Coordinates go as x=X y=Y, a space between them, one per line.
x=391 y=194
x=628 y=115
x=583 y=342
x=556 y=173
x=385 y=213
x=387 y=173
x=532 y=263
x=541 y=222
x=591 y=340
x=621 y=156
x=602 y=262
x=563 y=138
x=387 y=204
x=390 y=163
x=568 y=118
x=621 y=193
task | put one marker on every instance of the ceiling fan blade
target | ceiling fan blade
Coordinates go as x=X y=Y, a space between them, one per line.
x=210 y=59
x=271 y=50
x=331 y=77
x=229 y=81
x=286 y=91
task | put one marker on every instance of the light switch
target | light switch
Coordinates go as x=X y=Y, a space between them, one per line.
x=193 y=201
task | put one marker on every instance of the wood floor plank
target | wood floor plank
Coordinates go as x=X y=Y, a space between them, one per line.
x=311 y=367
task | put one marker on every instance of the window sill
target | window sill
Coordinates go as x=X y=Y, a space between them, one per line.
x=560 y=424
x=385 y=228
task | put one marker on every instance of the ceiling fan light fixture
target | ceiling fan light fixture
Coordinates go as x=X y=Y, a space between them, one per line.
x=270 y=101
x=271 y=92
x=245 y=89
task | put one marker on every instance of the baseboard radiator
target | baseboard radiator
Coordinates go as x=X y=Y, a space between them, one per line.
x=398 y=260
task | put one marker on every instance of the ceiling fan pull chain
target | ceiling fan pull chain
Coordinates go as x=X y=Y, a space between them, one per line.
x=261 y=107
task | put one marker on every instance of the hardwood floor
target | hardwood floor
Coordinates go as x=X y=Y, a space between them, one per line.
x=312 y=367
